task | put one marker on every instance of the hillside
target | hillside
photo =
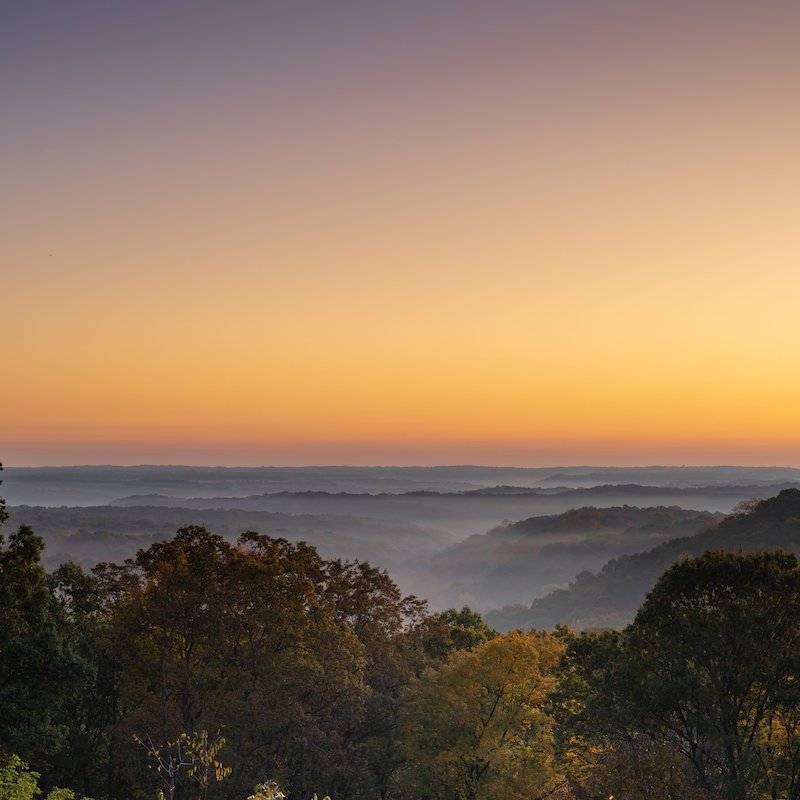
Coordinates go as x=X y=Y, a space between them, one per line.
x=610 y=597
x=540 y=553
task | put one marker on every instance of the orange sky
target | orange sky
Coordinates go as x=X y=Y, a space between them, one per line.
x=535 y=234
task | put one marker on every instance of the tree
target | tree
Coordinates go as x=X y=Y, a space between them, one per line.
x=298 y=662
x=86 y=699
x=3 y=512
x=48 y=692
x=478 y=726
x=34 y=663
x=746 y=507
x=642 y=768
x=17 y=782
x=194 y=756
x=587 y=703
x=399 y=641
x=710 y=664
x=466 y=628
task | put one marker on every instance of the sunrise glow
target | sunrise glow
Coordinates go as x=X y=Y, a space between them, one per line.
x=535 y=233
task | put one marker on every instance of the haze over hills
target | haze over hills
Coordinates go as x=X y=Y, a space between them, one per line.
x=100 y=533
x=542 y=553
x=611 y=597
x=669 y=476
x=485 y=536
x=95 y=485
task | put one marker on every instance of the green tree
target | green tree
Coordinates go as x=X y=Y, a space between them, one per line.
x=34 y=662
x=710 y=664
x=586 y=703
x=3 y=512
x=478 y=725
x=86 y=700
x=47 y=685
x=466 y=628
x=17 y=782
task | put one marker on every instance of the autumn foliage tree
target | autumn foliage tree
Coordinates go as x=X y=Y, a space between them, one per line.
x=478 y=726
x=298 y=662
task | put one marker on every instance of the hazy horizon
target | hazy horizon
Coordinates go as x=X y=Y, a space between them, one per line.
x=114 y=457
x=24 y=464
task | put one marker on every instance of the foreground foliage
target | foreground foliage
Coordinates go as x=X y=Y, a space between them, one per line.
x=17 y=782
x=478 y=725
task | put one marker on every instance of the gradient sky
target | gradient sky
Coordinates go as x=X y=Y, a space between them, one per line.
x=540 y=232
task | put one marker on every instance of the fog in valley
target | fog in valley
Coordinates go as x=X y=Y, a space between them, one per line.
x=489 y=537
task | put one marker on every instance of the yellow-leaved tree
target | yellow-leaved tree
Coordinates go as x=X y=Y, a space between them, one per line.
x=478 y=725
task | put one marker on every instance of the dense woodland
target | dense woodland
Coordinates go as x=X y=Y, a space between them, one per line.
x=202 y=668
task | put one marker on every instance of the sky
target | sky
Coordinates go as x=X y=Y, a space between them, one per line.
x=542 y=232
